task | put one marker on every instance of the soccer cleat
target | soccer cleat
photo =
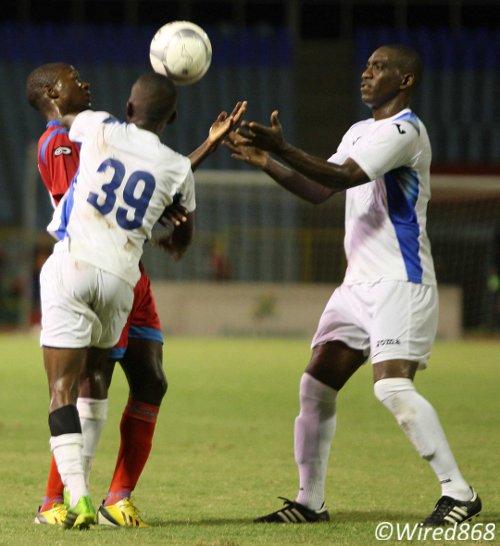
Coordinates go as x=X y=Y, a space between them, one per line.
x=122 y=514
x=450 y=511
x=53 y=516
x=293 y=512
x=80 y=516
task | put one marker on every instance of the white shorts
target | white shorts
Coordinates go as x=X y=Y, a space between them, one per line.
x=82 y=306
x=386 y=320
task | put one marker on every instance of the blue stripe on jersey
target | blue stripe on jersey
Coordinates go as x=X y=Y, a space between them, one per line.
x=402 y=194
x=46 y=143
x=411 y=118
x=66 y=208
x=144 y=332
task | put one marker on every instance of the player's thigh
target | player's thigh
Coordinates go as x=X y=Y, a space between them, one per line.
x=113 y=302
x=67 y=320
x=344 y=320
x=143 y=321
x=404 y=322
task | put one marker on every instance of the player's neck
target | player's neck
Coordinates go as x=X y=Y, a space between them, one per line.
x=389 y=109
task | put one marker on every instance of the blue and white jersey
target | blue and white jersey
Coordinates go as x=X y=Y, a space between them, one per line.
x=385 y=222
x=126 y=179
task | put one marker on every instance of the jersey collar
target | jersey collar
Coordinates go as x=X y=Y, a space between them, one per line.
x=54 y=123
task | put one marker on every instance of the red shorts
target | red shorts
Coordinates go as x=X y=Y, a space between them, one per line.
x=143 y=321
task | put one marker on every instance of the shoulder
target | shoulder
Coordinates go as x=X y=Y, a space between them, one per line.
x=405 y=123
x=53 y=131
x=87 y=122
x=55 y=142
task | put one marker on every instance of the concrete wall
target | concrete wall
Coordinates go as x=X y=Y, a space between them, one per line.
x=271 y=309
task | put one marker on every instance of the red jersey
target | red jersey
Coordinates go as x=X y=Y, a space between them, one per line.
x=58 y=160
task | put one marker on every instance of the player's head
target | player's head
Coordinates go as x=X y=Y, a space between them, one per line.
x=391 y=71
x=55 y=89
x=152 y=102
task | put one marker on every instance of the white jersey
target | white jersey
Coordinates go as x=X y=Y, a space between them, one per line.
x=126 y=179
x=385 y=219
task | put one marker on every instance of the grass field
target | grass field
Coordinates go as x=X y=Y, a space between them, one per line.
x=223 y=448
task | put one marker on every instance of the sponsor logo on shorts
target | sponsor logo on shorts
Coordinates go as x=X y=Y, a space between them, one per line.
x=62 y=150
x=383 y=342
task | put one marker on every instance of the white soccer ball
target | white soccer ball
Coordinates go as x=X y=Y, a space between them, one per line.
x=182 y=51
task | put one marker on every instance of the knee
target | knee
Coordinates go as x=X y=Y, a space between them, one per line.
x=316 y=396
x=156 y=379
x=63 y=392
x=95 y=383
x=160 y=386
x=396 y=395
x=150 y=386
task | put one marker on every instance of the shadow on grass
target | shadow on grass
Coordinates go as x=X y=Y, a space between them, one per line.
x=339 y=517
x=352 y=516
x=207 y=521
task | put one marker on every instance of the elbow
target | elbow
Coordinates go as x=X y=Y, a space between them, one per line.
x=319 y=197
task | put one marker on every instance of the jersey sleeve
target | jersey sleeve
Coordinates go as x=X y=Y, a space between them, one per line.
x=342 y=152
x=58 y=162
x=188 y=200
x=389 y=147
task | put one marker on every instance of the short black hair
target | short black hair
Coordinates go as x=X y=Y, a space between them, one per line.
x=161 y=95
x=39 y=79
x=408 y=60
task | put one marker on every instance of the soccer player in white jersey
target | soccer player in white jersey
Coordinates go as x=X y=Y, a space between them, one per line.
x=126 y=179
x=387 y=306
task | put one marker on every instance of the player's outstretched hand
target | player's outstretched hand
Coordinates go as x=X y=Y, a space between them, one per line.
x=269 y=138
x=224 y=123
x=241 y=150
x=218 y=131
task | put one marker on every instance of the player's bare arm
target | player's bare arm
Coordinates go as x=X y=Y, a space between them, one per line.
x=291 y=180
x=330 y=175
x=218 y=131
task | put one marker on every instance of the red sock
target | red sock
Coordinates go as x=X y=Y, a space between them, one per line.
x=55 y=488
x=137 y=428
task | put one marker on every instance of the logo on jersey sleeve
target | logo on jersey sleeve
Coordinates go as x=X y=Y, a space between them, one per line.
x=62 y=150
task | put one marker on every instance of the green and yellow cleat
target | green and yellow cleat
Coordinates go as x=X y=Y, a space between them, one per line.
x=80 y=516
x=53 y=516
x=121 y=514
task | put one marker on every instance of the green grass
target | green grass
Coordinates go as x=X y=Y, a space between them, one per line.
x=223 y=448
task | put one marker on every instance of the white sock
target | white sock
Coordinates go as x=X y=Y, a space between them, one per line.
x=314 y=431
x=420 y=423
x=68 y=453
x=93 y=414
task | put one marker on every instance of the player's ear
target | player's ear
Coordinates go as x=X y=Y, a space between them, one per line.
x=172 y=118
x=130 y=110
x=51 y=92
x=407 y=80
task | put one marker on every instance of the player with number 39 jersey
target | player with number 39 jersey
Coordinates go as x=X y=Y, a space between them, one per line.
x=117 y=196
x=126 y=180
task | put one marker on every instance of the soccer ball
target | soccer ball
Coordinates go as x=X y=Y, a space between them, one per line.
x=182 y=51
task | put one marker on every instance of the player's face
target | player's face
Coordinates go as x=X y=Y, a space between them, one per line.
x=381 y=79
x=74 y=95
